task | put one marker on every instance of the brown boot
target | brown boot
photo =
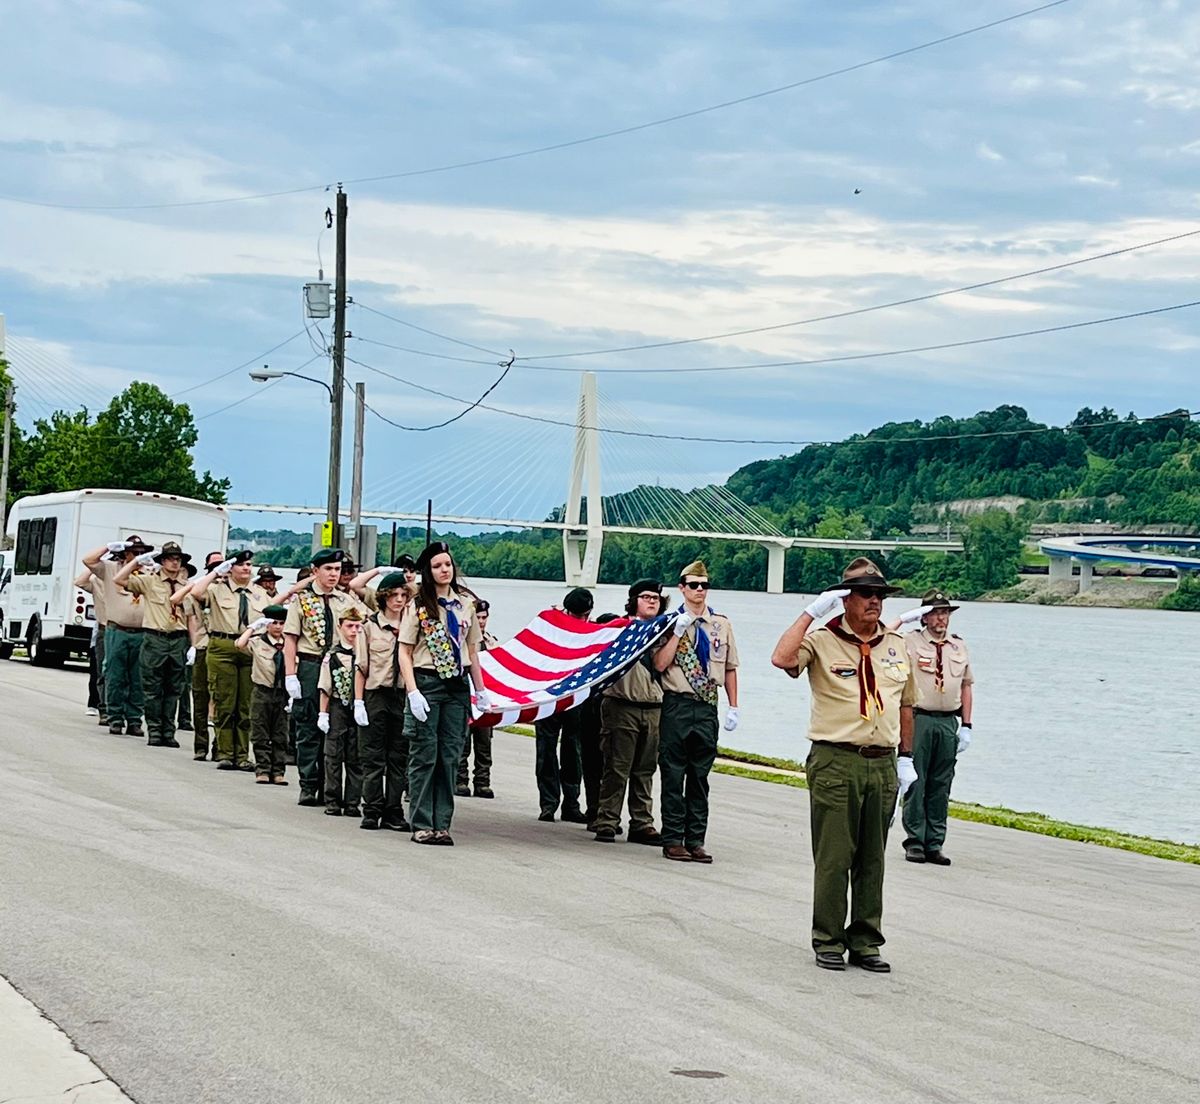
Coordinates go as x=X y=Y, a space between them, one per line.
x=677 y=852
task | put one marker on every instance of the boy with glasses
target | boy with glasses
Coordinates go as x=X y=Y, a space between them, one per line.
x=698 y=657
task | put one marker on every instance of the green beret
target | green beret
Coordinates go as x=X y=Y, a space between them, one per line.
x=276 y=613
x=325 y=556
x=393 y=580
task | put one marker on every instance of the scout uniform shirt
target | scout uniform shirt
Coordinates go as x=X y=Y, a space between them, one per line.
x=639 y=686
x=158 y=613
x=223 y=600
x=313 y=616
x=97 y=592
x=266 y=655
x=378 y=651
x=120 y=607
x=337 y=673
x=722 y=653
x=190 y=607
x=941 y=668
x=411 y=632
x=856 y=698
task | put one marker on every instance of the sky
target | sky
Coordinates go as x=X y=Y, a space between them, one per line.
x=1057 y=136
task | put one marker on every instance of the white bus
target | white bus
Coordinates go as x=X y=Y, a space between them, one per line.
x=42 y=607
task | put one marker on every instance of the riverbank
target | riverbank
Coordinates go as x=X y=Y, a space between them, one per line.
x=788 y=772
x=1110 y=591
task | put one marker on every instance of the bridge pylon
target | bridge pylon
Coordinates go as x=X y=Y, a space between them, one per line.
x=583 y=539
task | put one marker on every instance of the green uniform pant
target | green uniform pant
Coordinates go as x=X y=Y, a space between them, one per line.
x=310 y=740
x=435 y=750
x=101 y=643
x=927 y=803
x=269 y=724
x=229 y=684
x=851 y=801
x=164 y=667
x=481 y=740
x=343 y=773
x=629 y=744
x=558 y=764
x=123 y=675
x=383 y=753
x=687 y=748
x=200 y=702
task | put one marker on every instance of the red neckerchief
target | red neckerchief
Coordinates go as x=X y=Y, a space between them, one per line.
x=868 y=690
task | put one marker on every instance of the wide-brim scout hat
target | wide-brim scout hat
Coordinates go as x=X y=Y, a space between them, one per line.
x=864 y=574
x=324 y=556
x=267 y=574
x=137 y=546
x=172 y=549
x=190 y=568
x=275 y=613
x=935 y=598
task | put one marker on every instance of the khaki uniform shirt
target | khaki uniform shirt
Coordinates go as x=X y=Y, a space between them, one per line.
x=468 y=631
x=378 y=647
x=120 y=607
x=722 y=653
x=223 y=601
x=157 y=612
x=832 y=665
x=956 y=670
x=97 y=592
x=638 y=685
x=191 y=606
x=306 y=643
x=347 y=658
x=262 y=649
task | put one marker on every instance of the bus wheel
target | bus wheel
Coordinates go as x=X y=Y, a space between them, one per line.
x=6 y=651
x=42 y=655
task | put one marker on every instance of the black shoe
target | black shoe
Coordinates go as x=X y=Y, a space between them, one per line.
x=225 y=764
x=573 y=816
x=400 y=825
x=117 y=728
x=872 y=963
x=462 y=790
x=102 y=719
x=135 y=729
x=443 y=839
x=830 y=960
x=309 y=799
x=333 y=810
x=484 y=791
x=370 y=823
x=648 y=835
x=938 y=858
x=914 y=854
x=547 y=817
x=245 y=766
x=606 y=835
x=184 y=728
x=170 y=741
x=152 y=742
x=351 y=811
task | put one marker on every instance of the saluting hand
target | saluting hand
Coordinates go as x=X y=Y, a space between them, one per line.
x=146 y=559
x=223 y=568
x=825 y=604
x=260 y=623
x=914 y=614
x=117 y=546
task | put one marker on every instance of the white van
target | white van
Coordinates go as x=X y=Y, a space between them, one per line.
x=52 y=533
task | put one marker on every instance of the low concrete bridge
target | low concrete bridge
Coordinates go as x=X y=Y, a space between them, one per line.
x=1180 y=553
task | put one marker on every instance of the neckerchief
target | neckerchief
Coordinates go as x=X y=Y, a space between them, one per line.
x=692 y=660
x=176 y=610
x=277 y=659
x=868 y=690
x=452 y=628
x=939 y=676
x=444 y=652
x=341 y=677
x=243 y=594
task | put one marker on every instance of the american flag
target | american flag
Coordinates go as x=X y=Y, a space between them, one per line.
x=557 y=661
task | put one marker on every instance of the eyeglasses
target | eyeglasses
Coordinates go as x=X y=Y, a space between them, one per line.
x=698 y=585
x=650 y=597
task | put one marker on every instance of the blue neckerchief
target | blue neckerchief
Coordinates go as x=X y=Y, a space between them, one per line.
x=452 y=626
x=702 y=650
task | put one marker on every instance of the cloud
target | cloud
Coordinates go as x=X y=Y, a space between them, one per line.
x=985 y=153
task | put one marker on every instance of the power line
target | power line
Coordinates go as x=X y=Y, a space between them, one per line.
x=568 y=144
x=253 y=394
x=422 y=352
x=431 y=333
x=867 y=310
x=237 y=368
x=872 y=356
x=756 y=441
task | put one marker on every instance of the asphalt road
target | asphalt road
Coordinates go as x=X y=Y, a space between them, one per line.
x=204 y=939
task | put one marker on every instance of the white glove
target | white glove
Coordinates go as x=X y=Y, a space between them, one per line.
x=825 y=604
x=260 y=623
x=906 y=772
x=914 y=614
x=964 y=738
x=223 y=568
x=418 y=705
x=732 y=718
x=191 y=657
x=146 y=559
x=483 y=701
x=360 y=713
x=117 y=546
x=150 y=569
x=682 y=621
x=294 y=689
x=323 y=722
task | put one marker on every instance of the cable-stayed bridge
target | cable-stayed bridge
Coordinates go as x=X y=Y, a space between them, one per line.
x=494 y=496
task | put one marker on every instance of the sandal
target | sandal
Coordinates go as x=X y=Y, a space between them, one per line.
x=424 y=836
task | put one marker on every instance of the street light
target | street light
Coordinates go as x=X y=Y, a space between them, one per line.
x=263 y=374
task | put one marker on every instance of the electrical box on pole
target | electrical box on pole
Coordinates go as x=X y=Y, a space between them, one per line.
x=318 y=302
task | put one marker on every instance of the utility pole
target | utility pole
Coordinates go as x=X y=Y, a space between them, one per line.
x=8 y=417
x=356 y=478
x=339 y=373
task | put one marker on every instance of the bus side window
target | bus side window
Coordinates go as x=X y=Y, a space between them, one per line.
x=29 y=546
x=22 y=547
x=49 y=530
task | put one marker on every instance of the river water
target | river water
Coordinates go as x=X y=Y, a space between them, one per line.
x=1085 y=714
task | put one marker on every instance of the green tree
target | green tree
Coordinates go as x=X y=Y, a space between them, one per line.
x=992 y=552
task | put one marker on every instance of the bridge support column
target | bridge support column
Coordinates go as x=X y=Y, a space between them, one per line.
x=1060 y=569
x=775 y=563
x=583 y=543
x=1085 y=575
